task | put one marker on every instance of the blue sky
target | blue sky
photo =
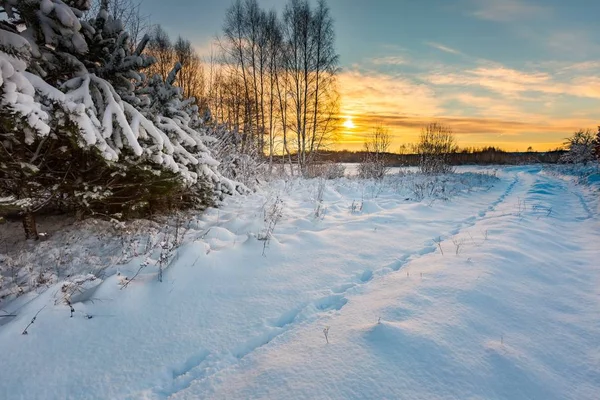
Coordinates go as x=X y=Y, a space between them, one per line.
x=508 y=72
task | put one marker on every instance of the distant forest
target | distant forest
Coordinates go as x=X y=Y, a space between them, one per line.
x=487 y=156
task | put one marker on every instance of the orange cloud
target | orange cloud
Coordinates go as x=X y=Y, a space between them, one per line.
x=511 y=82
x=405 y=106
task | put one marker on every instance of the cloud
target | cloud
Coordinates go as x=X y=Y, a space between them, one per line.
x=490 y=106
x=538 y=24
x=514 y=83
x=443 y=48
x=565 y=67
x=365 y=92
x=508 y=10
x=405 y=104
x=390 y=60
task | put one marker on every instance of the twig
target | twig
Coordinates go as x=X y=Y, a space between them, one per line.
x=32 y=321
x=439 y=243
x=142 y=266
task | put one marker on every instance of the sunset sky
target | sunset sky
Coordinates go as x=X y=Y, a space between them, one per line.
x=510 y=73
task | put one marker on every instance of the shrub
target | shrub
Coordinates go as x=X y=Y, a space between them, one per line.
x=374 y=165
x=324 y=170
x=580 y=148
x=435 y=146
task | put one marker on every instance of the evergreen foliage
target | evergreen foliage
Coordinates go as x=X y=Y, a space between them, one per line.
x=83 y=129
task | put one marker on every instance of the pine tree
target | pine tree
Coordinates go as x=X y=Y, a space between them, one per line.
x=82 y=128
x=54 y=31
x=179 y=119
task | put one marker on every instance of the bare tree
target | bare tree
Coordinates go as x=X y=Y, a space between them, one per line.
x=326 y=105
x=191 y=77
x=435 y=146
x=287 y=69
x=161 y=48
x=376 y=146
x=273 y=50
x=234 y=48
x=311 y=63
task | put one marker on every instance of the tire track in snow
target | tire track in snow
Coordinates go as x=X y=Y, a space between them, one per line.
x=584 y=204
x=545 y=188
x=204 y=365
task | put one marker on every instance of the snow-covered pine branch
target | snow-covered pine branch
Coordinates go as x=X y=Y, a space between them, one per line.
x=75 y=92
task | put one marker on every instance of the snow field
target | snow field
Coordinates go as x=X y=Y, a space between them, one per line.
x=505 y=312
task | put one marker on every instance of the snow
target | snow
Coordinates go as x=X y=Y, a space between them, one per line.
x=102 y=93
x=507 y=311
x=16 y=96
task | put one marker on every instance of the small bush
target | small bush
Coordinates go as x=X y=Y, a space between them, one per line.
x=374 y=165
x=372 y=169
x=435 y=146
x=325 y=171
x=238 y=159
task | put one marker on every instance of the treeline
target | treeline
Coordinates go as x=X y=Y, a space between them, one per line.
x=486 y=157
x=271 y=81
x=276 y=79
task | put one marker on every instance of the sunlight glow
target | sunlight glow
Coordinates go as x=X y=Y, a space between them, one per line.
x=348 y=124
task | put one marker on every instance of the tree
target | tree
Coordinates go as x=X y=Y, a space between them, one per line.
x=374 y=164
x=597 y=149
x=235 y=55
x=580 y=147
x=129 y=12
x=311 y=62
x=46 y=38
x=161 y=48
x=191 y=76
x=54 y=33
x=436 y=144
x=285 y=70
x=85 y=130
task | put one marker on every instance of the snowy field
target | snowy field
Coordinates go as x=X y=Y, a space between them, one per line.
x=481 y=285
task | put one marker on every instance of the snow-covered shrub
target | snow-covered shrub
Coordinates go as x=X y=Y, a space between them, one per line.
x=273 y=212
x=436 y=144
x=444 y=186
x=588 y=174
x=580 y=148
x=325 y=170
x=374 y=165
x=239 y=159
x=178 y=118
x=372 y=168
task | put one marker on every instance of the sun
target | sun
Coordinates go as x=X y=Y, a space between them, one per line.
x=348 y=124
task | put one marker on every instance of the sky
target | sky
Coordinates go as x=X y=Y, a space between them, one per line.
x=508 y=73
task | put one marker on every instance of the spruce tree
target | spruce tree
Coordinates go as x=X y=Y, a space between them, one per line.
x=81 y=126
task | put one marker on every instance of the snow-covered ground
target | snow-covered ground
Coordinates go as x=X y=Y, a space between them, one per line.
x=490 y=294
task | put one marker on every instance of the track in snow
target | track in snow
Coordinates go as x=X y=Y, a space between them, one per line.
x=200 y=368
